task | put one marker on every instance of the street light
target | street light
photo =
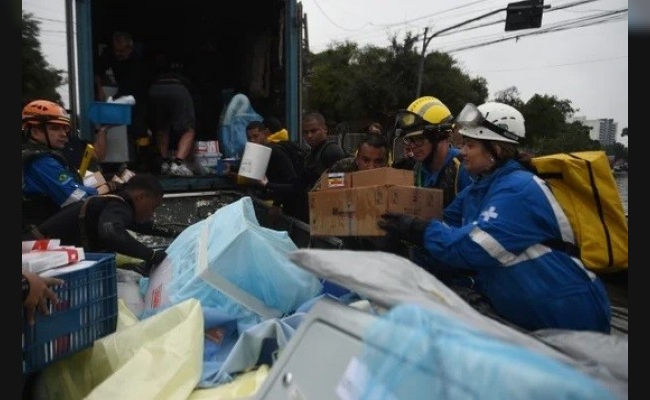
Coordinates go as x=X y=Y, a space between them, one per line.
x=520 y=15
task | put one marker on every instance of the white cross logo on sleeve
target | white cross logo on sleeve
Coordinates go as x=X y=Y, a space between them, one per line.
x=489 y=213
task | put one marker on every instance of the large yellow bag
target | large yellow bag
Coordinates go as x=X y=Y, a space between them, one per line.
x=160 y=357
x=584 y=185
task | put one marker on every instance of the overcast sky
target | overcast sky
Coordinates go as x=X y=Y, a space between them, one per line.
x=567 y=57
x=579 y=54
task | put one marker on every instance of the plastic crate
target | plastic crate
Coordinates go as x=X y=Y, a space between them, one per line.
x=87 y=311
x=110 y=113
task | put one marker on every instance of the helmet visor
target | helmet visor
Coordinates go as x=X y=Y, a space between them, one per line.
x=407 y=121
x=470 y=117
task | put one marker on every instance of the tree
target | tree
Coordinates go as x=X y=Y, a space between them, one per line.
x=357 y=85
x=39 y=79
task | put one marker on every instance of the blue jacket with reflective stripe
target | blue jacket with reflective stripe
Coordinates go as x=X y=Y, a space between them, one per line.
x=496 y=227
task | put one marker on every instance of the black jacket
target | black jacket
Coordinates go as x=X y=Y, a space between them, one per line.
x=102 y=230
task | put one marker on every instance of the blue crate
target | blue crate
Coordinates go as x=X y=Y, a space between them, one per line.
x=87 y=311
x=110 y=113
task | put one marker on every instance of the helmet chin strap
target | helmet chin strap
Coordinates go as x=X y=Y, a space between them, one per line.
x=47 y=135
x=428 y=160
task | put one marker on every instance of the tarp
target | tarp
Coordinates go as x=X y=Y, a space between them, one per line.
x=390 y=280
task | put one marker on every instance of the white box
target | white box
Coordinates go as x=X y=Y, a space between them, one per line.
x=206 y=147
x=156 y=295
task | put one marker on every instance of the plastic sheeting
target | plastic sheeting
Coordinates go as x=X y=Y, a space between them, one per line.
x=390 y=280
x=158 y=358
x=241 y=274
x=232 y=132
x=415 y=353
x=231 y=263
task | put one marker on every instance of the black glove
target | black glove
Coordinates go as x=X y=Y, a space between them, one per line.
x=404 y=226
x=157 y=257
x=165 y=231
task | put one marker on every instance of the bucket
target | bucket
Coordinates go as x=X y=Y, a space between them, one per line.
x=254 y=161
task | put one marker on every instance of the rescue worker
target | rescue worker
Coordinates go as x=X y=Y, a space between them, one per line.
x=503 y=228
x=426 y=127
x=372 y=152
x=49 y=182
x=100 y=224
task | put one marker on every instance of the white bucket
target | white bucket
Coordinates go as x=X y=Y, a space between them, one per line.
x=254 y=161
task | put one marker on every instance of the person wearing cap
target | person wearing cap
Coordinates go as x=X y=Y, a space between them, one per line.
x=426 y=127
x=49 y=182
x=501 y=229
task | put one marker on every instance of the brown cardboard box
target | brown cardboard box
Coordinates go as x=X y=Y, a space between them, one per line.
x=103 y=189
x=371 y=177
x=355 y=211
x=383 y=176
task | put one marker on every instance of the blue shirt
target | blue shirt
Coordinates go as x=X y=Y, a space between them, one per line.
x=47 y=176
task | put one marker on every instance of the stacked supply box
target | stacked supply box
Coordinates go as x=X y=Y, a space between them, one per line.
x=207 y=155
x=350 y=204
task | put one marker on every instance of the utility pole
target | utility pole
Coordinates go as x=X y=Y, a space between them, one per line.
x=521 y=15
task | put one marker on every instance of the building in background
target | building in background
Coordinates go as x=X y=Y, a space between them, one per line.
x=604 y=129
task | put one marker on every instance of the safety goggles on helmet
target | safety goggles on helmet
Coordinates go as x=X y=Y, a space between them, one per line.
x=408 y=121
x=409 y=124
x=470 y=117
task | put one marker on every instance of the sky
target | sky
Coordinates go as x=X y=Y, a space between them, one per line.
x=586 y=64
x=580 y=53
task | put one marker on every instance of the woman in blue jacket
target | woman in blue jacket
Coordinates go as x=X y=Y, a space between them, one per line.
x=501 y=228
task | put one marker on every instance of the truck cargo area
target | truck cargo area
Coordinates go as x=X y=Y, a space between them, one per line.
x=224 y=50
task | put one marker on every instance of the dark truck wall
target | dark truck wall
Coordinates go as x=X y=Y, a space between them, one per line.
x=223 y=49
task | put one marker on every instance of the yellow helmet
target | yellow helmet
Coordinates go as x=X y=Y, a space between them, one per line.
x=427 y=116
x=44 y=111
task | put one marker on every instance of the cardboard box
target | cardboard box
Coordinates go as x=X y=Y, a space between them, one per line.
x=383 y=176
x=206 y=147
x=371 y=177
x=355 y=211
x=156 y=295
x=124 y=176
x=103 y=189
x=94 y=179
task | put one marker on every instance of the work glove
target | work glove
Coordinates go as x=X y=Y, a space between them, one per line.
x=403 y=226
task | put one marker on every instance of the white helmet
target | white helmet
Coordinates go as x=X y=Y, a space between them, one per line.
x=507 y=124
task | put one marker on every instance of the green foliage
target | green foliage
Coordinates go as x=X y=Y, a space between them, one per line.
x=39 y=79
x=357 y=85
x=618 y=150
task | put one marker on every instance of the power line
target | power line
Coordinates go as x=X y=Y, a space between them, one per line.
x=611 y=16
x=556 y=65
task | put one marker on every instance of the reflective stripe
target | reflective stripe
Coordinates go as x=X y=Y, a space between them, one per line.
x=498 y=252
x=218 y=282
x=74 y=197
x=563 y=222
x=508 y=259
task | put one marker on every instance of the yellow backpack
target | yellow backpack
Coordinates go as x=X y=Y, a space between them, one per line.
x=583 y=183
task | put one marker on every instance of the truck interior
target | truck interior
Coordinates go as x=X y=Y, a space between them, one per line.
x=222 y=50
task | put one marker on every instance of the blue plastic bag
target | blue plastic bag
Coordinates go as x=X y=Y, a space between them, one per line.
x=232 y=132
x=412 y=352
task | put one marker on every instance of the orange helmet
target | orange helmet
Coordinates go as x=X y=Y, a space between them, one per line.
x=44 y=111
